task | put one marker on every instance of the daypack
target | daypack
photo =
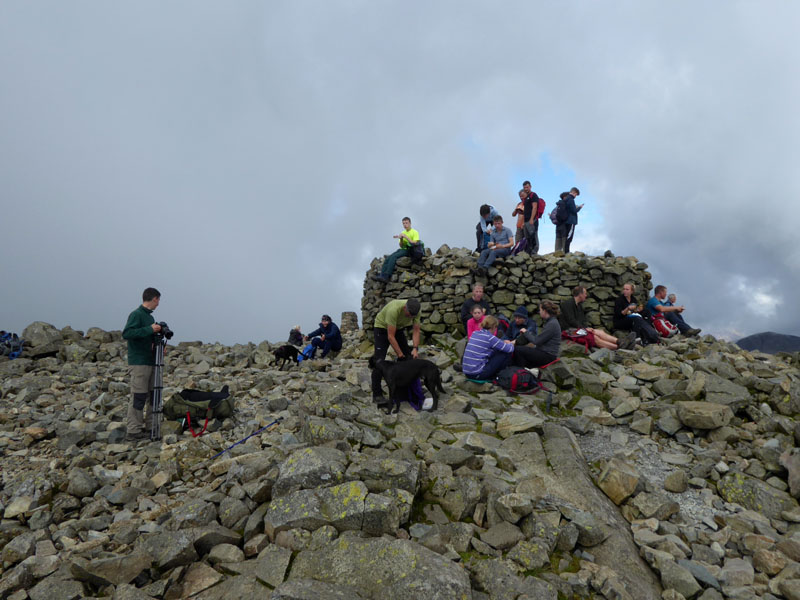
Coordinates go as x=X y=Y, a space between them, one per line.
x=662 y=326
x=10 y=345
x=540 y=208
x=417 y=252
x=558 y=216
x=518 y=381
x=176 y=407
x=585 y=339
x=502 y=325
x=519 y=246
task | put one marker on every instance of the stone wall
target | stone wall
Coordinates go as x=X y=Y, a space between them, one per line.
x=443 y=281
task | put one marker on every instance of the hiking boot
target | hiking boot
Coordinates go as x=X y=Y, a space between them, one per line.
x=457 y=367
x=692 y=332
x=379 y=399
x=137 y=437
x=380 y=278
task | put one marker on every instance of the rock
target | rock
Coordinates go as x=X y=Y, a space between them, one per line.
x=677 y=482
x=704 y=415
x=513 y=507
x=225 y=553
x=754 y=494
x=499 y=579
x=518 y=422
x=676 y=577
x=239 y=586
x=380 y=567
x=110 y=571
x=81 y=483
x=502 y=536
x=170 y=549
x=655 y=505
x=311 y=589
x=309 y=468
x=199 y=577
x=270 y=567
x=618 y=480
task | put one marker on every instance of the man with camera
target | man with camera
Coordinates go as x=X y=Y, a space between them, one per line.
x=140 y=331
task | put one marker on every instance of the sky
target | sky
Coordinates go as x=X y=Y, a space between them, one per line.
x=249 y=159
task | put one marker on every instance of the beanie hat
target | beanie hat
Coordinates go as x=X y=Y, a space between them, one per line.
x=326 y=318
x=521 y=312
x=413 y=307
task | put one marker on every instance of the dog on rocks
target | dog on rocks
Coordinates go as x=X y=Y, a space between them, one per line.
x=401 y=374
x=284 y=353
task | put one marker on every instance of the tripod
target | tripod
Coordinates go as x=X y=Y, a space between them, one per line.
x=158 y=387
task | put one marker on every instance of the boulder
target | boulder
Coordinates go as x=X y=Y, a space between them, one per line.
x=704 y=415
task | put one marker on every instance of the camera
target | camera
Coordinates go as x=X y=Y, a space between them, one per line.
x=165 y=332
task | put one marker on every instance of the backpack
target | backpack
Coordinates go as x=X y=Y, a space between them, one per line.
x=558 y=215
x=305 y=353
x=417 y=252
x=502 y=325
x=518 y=381
x=10 y=345
x=540 y=208
x=176 y=407
x=662 y=326
x=519 y=247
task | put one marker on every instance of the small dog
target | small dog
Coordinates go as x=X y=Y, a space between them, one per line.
x=284 y=353
x=401 y=374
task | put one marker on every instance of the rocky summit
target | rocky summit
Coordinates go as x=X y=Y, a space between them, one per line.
x=669 y=472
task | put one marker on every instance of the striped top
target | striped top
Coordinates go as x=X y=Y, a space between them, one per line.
x=479 y=348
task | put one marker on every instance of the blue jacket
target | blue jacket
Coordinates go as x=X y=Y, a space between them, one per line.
x=572 y=210
x=331 y=332
x=513 y=330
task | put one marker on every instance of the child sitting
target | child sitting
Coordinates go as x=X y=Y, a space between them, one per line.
x=478 y=314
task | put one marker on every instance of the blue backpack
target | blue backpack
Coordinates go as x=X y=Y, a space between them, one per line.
x=305 y=353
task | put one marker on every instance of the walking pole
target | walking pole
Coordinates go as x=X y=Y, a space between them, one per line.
x=278 y=420
x=158 y=388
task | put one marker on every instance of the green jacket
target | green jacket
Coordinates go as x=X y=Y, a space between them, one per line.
x=139 y=333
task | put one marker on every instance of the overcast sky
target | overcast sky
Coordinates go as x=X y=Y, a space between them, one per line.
x=248 y=159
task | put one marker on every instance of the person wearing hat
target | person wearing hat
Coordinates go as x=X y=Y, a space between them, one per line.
x=388 y=331
x=329 y=337
x=521 y=328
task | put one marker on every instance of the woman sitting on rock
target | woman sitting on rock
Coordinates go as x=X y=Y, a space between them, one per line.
x=485 y=354
x=627 y=316
x=547 y=345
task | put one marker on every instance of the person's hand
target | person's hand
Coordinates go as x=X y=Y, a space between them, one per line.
x=396 y=236
x=523 y=330
x=322 y=337
x=401 y=358
x=508 y=342
x=156 y=327
x=492 y=244
x=580 y=206
x=681 y=309
x=414 y=353
x=305 y=338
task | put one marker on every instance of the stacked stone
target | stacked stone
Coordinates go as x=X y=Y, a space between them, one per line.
x=349 y=322
x=443 y=281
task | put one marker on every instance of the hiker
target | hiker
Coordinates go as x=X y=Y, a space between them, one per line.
x=565 y=229
x=483 y=231
x=519 y=212
x=500 y=243
x=628 y=317
x=140 y=331
x=295 y=337
x=573 y=320
x=478 y=315
x=329 y=337
x=671 y=313
x=388 y=331
x=408 y=239
x=476 y=298
x=485 y=354
x=521 y=327
x=546 y=345
x=534 y=206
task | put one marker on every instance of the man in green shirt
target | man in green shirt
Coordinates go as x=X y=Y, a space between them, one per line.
x=408 y=238
x=139 y=331
x=388 y=331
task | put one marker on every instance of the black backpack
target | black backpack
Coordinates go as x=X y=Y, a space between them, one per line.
x=518 y=381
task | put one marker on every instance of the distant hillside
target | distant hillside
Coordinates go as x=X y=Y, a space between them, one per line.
x=771 y=342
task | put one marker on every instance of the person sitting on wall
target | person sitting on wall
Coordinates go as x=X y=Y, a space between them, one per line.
x=408 y=239
x=573 y=321
x=484 y=229
x=500 y=244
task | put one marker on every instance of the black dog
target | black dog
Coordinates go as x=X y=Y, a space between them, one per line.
x=284 y=353
x=401 y=374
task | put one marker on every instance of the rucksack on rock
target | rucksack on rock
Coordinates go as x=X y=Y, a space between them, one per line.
x=662 y=326
x=518 y=380
x=176 y=407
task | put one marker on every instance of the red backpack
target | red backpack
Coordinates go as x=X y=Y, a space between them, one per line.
x=662 y=326
x=540 y=208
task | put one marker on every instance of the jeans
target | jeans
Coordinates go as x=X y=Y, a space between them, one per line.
x=677 y=319
x=531 y=233
x=391 y=260
x=483 y=238
x=497 y=362
x=326 y=346
x=487 y=257
x=381 y=337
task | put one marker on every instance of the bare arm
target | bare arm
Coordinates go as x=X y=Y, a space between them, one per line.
x=415 y=340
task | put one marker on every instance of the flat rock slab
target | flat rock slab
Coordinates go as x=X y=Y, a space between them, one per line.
x=755 y=494
x=384 y=568
x=704 y=415
x=310 y=589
